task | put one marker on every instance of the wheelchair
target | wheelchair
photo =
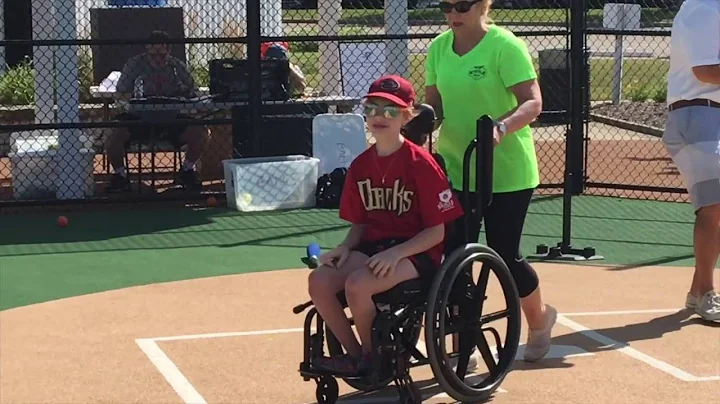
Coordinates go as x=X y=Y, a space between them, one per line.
x=451 y=305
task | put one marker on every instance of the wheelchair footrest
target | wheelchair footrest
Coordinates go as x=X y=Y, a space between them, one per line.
x=309 y=371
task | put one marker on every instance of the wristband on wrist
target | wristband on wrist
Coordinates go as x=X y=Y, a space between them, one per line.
x=502 y=128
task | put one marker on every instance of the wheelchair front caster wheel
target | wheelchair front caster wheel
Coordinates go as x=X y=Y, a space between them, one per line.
x=327 y=391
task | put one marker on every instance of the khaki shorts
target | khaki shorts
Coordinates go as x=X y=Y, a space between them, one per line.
x=692 y=137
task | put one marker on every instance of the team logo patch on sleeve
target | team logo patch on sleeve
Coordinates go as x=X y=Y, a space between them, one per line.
x=446 y=201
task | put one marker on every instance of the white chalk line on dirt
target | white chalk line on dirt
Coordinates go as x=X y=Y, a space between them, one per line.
x=296 y=330
x=619 y=312
x=625 y=348
x=170 y=372
x=229 y=334
x=190 y=395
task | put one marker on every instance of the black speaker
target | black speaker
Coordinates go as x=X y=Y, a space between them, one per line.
x=131 y=23
x=229 y=79
x=285 y=129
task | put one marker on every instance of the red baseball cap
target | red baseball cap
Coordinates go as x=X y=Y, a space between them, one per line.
x=394 y=89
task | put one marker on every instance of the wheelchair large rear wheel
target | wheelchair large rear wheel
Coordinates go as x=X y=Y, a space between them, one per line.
x=410 y=332
x=455 y=286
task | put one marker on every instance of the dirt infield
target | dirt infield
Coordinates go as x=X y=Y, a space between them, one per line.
x=621 y=338
x=628 y=162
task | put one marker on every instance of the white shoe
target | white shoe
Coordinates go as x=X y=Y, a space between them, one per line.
x=473 y=362
x=539 y=341
x=707 y=306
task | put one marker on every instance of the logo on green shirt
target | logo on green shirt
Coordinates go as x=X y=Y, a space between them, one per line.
x=478 y=72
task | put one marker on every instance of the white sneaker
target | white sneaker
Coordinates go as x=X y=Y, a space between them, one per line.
x=691 y=302
x=708 y=306
x=539 y=341
x=473 y=362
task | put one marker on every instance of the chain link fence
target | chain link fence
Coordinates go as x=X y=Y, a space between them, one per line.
x=630 y=46
x=87 y=114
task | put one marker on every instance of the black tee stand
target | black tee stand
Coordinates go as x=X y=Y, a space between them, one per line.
x=574 y=143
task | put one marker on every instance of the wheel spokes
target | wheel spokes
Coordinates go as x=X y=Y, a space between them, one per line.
x=482 y=284
x=467 y=343
x=486 y=352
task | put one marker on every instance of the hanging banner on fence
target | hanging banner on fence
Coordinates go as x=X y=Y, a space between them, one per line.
x=361 y=63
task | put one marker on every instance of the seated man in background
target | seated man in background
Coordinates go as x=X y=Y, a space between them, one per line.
x=155 y=73
x=279 y=51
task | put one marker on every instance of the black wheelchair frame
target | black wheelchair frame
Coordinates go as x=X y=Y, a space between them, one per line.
x=452 y=304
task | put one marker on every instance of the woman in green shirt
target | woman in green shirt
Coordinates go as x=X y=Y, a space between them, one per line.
x=477 y=68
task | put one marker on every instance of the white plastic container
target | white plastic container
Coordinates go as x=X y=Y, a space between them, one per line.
x=271 y=183
x=34 y=160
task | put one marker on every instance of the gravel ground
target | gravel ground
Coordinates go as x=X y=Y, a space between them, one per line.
x=647 y=113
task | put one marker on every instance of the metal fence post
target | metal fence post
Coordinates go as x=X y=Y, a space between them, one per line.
x=578 y=85
x=254 y=40
x=574 y=154
x=2 y=36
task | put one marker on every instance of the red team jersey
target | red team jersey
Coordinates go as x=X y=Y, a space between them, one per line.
x=415 y=195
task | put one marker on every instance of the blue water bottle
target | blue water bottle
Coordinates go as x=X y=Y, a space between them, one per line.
x=312 y=254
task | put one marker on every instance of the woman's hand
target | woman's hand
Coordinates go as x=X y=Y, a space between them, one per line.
x=383 y=263
x=335 y=257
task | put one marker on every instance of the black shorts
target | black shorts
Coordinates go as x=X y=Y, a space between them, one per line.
x=424 y=265
x=168 y=133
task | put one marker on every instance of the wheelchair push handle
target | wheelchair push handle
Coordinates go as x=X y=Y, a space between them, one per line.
x=419 y=130
x=483 y=147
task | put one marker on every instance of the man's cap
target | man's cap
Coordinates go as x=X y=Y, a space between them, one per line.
x=276 y=52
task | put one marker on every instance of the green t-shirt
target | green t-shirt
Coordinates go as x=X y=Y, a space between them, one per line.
x=477 y=84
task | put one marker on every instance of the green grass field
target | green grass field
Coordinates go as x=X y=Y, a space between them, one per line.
x=643 y=79
x=649 y=16
x=105 y=250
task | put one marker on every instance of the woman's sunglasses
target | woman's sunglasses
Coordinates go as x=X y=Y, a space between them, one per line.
x=461 y=6
x=388 y=111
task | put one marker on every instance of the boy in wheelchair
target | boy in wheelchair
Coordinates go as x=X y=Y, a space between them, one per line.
x=398 y=226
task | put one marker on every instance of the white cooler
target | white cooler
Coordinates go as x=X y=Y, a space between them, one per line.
x=271 y=183
x=35 y=161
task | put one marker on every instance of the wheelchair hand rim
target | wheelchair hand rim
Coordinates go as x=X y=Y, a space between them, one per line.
x=441 y=368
